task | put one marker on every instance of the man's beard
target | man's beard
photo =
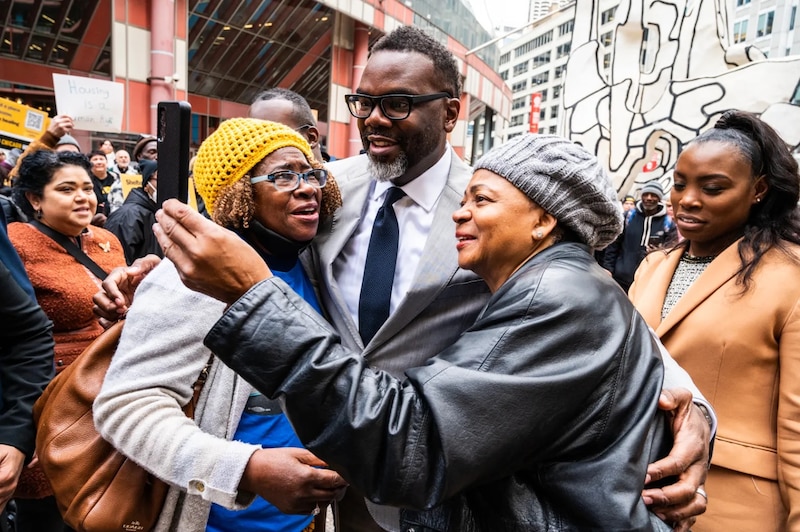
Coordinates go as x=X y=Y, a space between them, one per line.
x=388 y=171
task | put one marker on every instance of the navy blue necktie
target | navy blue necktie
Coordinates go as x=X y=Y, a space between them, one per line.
x=376 y=288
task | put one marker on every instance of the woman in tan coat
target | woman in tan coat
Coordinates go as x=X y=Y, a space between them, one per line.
x=725 y=303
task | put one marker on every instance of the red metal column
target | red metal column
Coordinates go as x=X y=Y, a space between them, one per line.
x=360 y=55
x=162 y=55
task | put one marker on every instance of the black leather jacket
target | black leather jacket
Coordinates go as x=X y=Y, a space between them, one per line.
x=542 y=416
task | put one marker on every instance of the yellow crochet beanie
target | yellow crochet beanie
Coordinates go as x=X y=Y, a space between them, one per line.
x=235 y=148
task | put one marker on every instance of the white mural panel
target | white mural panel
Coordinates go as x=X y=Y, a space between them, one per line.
x=637 y=114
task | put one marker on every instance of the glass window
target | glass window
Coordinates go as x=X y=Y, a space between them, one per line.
x=765 y=24
x=566 y=27
x=540 y=78
x=740 y=31
x=608 y=15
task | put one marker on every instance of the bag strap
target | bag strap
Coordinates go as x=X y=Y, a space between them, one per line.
x=197 y=387
x=72 y=249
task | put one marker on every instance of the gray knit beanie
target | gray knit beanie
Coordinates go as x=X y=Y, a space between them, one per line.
x=68 y=139
x=565 y=180
x=653 y=187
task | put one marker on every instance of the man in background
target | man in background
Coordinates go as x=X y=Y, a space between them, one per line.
x=122 y=163
x=287 y=107
x=103 y=179
x=648 y=227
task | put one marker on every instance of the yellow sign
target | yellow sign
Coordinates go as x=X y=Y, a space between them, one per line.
x=20 y=124
x=129 y=182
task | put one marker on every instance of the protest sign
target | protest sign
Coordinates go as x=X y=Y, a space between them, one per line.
x=93 y=104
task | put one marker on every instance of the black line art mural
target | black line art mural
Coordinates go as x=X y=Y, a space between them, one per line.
x=637 y=114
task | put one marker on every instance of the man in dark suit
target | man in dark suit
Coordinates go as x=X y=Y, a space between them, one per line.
x=432 y=300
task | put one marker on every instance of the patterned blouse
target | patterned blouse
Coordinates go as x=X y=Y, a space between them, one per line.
x=688 y=270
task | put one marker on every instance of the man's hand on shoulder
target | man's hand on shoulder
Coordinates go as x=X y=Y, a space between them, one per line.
x=681 y=502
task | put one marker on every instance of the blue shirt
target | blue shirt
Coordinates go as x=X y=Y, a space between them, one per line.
x=263 y=423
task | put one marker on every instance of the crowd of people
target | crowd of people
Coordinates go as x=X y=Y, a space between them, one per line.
x=410 y=341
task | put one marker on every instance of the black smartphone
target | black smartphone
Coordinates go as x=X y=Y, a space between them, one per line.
x=174 y=129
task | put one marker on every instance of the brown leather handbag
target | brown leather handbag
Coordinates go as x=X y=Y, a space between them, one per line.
x=96 y=487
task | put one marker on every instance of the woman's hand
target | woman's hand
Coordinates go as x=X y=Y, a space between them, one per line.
x=60 y=125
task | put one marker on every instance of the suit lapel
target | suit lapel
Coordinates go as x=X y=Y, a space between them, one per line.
x=330 y=243
x=657 y=285
x=439 y=261
x=721 y=270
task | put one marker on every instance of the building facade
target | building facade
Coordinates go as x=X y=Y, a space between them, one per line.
x=218 y=55
x=534 y=64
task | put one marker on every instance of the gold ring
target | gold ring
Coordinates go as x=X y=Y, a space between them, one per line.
x=702 y=493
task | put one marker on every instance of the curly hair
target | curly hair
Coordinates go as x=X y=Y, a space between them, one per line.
x=38 y=169
x=236 y=206
x=775 y=220
x=414 y=39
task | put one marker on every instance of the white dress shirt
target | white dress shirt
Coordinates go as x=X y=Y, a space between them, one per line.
x=414 y=214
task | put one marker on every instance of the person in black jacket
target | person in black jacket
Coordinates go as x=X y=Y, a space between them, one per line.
x=648 y=227
x=26 y=365
x=542 y=415
x=133 y=222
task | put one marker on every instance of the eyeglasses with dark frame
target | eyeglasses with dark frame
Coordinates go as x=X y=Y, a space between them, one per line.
x=393 y=106
x=288 y=181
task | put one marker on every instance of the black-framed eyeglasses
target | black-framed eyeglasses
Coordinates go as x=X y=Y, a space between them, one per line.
x=287 y=181
x=393 y=106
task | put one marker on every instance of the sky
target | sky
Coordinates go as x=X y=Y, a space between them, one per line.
x=493 y=13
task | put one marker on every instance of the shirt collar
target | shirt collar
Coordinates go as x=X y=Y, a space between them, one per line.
x=425 y=189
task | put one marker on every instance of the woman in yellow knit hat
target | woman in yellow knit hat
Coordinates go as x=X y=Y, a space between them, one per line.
x=238 y=465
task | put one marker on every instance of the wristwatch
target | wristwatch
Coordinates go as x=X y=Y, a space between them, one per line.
x=707 y=415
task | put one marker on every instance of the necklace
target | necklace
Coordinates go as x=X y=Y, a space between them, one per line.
x=688 y=257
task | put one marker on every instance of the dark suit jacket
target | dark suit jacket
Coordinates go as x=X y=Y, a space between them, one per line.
x=26 y=361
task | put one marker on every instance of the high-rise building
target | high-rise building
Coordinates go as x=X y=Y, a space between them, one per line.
x=767 y=24
x=541 y=8
x=534 y=62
